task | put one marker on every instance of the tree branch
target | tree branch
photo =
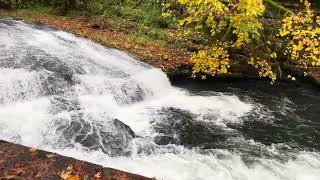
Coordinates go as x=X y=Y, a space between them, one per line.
x=279 y=7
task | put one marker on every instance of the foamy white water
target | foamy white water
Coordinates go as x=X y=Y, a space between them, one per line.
x=61 y=93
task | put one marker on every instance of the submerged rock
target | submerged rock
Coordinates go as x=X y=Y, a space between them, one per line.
x=111 y=137
x=122 y=126
x=117 y=142
x=181 y=127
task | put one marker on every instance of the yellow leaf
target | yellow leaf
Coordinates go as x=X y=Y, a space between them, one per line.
x=76 y=177
x=65 y=175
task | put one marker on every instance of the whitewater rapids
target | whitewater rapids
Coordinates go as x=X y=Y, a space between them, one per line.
x=68 y=95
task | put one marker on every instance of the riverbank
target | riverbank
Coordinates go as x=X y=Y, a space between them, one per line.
x=19 y=162
x=156 y=51
x=167 y=51
x=171 y=53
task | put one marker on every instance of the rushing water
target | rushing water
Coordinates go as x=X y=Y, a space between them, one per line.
x=64 y=94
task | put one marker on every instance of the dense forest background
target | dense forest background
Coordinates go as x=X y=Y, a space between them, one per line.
x=273 y=39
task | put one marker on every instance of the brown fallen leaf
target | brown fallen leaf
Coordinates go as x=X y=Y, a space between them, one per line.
x=70 y=167
x=98 y=175
x=65 y=174
x=32 y=150
x=121 y=176
x=69 y=174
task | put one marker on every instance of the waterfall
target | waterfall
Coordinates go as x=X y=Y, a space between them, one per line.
x=65 y=94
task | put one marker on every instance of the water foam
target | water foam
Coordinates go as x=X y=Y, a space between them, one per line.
x=52 y=81
x=182 y=163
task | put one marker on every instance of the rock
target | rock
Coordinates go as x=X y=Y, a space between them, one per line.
x=112 y=137
x=119 y=124
x=117 y=141
x=164 y=140
x=181 y=127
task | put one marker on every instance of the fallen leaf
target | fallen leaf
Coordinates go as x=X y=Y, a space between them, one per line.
x=121 y=176
x=51 y=155
x=9 y=177
x=75 y=177
x=33 y=150
x=98 y=175
x=70 y=167
x=65 y=175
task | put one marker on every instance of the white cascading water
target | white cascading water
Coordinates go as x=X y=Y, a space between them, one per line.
x=64 y=94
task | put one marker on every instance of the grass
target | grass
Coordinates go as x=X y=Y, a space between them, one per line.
x=27 y=14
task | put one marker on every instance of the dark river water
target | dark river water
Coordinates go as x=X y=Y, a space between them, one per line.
x=68 y=95
x=287 y=112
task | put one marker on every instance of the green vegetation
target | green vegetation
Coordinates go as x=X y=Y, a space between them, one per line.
x=143 y=16
x=242 y=29
x=280 y=39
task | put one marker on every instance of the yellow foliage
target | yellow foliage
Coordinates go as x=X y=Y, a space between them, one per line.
x=291 y=77
x=212 y=62
x=265 y=69
x=302 y=32
x=233 y=22
x=237 y=17
x=273 y=55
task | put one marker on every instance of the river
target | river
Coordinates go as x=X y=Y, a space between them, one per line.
x=68 y=95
